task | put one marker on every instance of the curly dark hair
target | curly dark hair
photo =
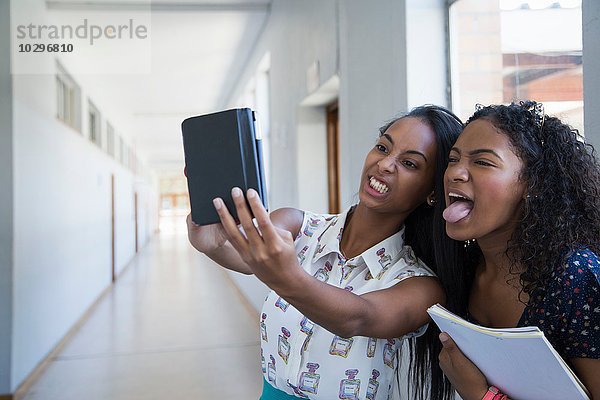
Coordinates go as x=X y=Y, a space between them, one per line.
x=561 y=212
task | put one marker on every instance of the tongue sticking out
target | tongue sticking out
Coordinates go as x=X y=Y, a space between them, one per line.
x=457 y=211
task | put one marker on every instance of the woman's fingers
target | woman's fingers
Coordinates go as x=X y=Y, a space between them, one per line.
x=265 y=225
x=245 y=217
x=235 y=237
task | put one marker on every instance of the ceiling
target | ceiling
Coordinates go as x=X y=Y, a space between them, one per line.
x=196 y=52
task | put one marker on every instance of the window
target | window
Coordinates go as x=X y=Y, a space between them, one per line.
x=124 y=153
x=110 y=139
x=121 y=150
x=511 y=50
x=68 y=99
x=94 y=124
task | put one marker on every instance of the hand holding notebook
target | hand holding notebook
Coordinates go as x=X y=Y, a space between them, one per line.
x=222 y=151
x=520 y=361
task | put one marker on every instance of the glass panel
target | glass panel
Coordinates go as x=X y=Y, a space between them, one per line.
x=510 y=50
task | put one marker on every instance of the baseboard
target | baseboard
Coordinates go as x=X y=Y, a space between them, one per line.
x=43 y=364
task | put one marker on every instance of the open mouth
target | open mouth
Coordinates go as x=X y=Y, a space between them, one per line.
x=459 y=208
x=378 y=185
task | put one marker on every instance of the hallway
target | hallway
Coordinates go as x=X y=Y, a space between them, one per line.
x=172 y=327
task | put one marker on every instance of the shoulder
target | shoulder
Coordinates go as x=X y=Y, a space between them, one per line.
x=290 y=219
x=582 y=266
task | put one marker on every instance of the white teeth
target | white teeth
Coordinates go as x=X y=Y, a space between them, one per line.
x=379 y=186
x=457 y=196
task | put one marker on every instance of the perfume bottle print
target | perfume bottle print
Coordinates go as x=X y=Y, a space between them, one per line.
x=347 y=270
x=371 y=346
x=281 y=303
x=350 y=387
x=302 y=255
x=306 y=325
x=305 y=343
x=263 y=328
x=263 y=362
x=309 y=381
x=340 y=346
x=389 y=353
x=410 y=257
x=310 y=228
x=284 y=346
x=271 y=368
x=373 y=385
x=384 y=260
x=322 y=274
x=339 y=236
x=319 y=249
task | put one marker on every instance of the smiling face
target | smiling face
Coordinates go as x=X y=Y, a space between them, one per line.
x=484 y=194
x=398 y=172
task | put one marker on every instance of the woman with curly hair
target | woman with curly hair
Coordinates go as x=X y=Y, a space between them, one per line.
x=527 y=189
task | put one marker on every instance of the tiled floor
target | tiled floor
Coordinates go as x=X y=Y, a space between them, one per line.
x=172 y=327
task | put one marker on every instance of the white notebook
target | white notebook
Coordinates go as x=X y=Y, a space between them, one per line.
x=519 y=361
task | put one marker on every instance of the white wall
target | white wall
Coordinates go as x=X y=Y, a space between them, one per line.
x=373 y=76
x=62 y=216
x=591 y=70
x=312 y=159
x=6 y=199
x=62 y=223
x=426 y=60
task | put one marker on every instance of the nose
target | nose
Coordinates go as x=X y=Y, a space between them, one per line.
x=386 y=164
x=457 y=173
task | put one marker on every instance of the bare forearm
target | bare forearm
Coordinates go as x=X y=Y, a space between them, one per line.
x=384 y=313
x=337 y=310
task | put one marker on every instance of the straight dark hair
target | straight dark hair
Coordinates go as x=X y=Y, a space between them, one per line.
x=425 y=232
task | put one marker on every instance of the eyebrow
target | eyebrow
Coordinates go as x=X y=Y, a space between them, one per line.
x=388 y=137
x=478 y=151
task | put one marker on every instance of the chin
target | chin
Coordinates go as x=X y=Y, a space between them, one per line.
x=456 y=233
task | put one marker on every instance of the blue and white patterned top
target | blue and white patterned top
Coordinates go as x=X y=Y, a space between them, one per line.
x=304 y=359
x=567 y=309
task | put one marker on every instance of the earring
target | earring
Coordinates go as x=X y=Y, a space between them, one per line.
x=431 y=202
x=469 y=243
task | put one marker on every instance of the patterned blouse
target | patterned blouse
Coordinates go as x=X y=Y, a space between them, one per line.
x=305 y=360
x=567 y=310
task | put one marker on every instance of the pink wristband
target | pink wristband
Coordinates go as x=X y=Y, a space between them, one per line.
x=493 y=393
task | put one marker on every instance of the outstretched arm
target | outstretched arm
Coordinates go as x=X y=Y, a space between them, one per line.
x=212 y=239
x=270 y=253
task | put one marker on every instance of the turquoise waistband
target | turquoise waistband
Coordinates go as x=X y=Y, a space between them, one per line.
x=272 y=393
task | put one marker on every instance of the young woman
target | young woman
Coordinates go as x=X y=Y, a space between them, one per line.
x=527 y=189
x=348 y=288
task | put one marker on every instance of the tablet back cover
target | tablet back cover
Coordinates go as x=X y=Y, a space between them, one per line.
x=221 y=152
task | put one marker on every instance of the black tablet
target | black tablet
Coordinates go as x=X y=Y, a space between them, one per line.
x=222 y=151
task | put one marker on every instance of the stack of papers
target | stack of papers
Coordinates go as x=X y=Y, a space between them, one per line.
x=521 y=362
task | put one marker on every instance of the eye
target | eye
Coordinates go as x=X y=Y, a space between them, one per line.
x=381 y=148
x=409 y=164
x=484 y=163
x=452 y=159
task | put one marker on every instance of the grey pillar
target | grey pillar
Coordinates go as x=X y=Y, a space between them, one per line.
x=6 y=199
x=591 y=71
